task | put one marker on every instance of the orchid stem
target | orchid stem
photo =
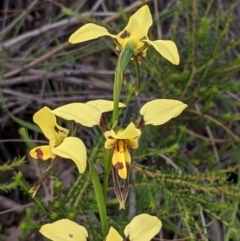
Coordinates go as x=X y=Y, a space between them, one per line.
x=107 y=170
x=100 y=198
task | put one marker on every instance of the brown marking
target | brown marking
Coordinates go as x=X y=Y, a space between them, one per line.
x=141 y=123
x=71 y=235
x=39 y=153
x=59 y=131
x=118 y=166
x=103 y=125
x=125 y=34
x=118 y=146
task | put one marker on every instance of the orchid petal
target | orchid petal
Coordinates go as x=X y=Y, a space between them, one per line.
x=160 y=111
x=120 y=159
x=86 y=115
x=133 y=143
x=89 y=31
x=42 y=153
x=64 y=230
x=109 y=143
x=167 y=49
x=138 y=24
x=131 y=132
x=74 y=149
x=143 y=228
x=113 y=235
x=48 y=124
x=104 y=105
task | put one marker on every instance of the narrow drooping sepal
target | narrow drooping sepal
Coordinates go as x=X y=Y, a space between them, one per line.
x=37 y=185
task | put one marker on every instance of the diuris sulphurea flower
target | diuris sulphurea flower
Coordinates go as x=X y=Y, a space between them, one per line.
x=133 y=36
x=156 y=112
x=143 y=227
x=132 y=42
x=60 y=145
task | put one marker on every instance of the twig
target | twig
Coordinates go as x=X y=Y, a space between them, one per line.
x=53 y=75
x=216 y=122
x=159 y=29
x=69 y=21
x=215 y=151
x=16 y=20
x=38 y=60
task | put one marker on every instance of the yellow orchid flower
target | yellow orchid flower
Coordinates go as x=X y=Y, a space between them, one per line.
x=142 y=228
x=120 y=141
x=59 y=144
x=156 y=112
x=134 y=36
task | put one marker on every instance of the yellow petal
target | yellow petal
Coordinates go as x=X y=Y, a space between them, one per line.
x=131 y=132
x=133 y=143
x=113 y=235
x=167 y=49
x=64 y=230
x=104 y=105
x=158 y=112
x=87 y=32
x=143 y=228
x=48 y=124
x=121 y=159
x=86 y=115
x=138 y=24
x=42 y=153
x=109 y=143
x=74 y=149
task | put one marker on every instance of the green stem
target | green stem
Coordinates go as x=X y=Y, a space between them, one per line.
x=123 y=60
x=116 y=92
x=107 y=170
x=100 y=198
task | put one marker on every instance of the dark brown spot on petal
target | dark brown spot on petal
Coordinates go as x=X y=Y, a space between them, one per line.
x=71 y=235
x=39 y=154
x=118 y=166
x=141 y=123
x=103 y=125
x=125 y=34
x=59 y=131
x=121 y=146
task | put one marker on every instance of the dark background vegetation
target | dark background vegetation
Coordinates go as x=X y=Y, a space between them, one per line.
x=185 y=172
